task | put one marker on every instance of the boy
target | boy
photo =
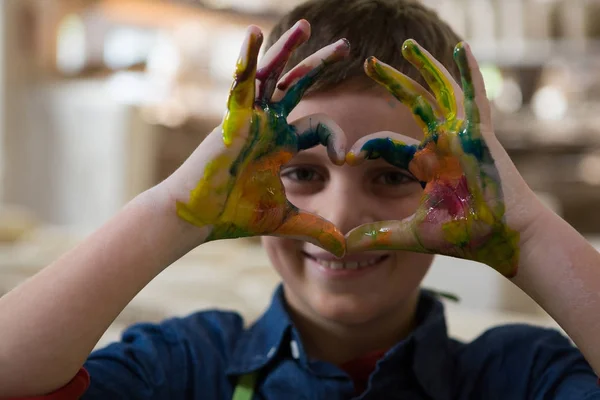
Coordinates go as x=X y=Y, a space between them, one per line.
x=338 y=327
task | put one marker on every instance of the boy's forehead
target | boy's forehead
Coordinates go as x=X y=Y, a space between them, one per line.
x=360 y=112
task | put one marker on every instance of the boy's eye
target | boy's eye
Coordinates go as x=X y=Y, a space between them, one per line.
x=301 y=174
x=394 y=178
x=299 y=180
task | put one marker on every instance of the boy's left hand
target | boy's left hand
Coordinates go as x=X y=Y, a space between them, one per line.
x=475 y=205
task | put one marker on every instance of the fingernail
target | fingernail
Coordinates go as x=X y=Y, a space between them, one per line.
x=460 y=51
x=370 y=65
x=350 y=158
x=409 y=46
x=297 y=24
x=341 y=158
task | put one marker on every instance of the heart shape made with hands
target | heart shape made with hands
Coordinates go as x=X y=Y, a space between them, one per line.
x=462 y=212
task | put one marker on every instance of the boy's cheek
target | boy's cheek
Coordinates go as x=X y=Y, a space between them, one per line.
x=398 y=207
x=281 y=250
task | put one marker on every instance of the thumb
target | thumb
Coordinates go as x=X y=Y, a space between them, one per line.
x=384 y=235
x=311 y=228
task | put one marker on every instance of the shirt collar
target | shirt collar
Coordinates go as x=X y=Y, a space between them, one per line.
x=425 y=353
x=431 y=359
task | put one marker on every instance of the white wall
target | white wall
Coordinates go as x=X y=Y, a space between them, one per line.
x=91 y=146
x=480 y=287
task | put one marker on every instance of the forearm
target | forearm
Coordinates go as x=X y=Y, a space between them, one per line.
x=560 y=270
x=51 y=322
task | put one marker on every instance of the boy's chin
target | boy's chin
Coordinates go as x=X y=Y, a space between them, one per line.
x=349 y=316
x=355 y=308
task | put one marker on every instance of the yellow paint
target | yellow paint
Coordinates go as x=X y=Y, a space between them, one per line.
x=457 y=231
x=258 y=200
x=241 y=96
x=206 y=199
x=351 y=158
x=439 y=83
x=398 y=142
x=407 y=91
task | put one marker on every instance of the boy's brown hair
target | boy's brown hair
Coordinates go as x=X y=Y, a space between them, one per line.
x=374 y=28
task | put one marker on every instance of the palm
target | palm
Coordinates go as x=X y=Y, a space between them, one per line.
x=249 y=200
x=462 y=212
x=240 y=192
x=253 y=197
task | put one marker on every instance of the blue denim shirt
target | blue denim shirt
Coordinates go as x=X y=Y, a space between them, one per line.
x=203 y=356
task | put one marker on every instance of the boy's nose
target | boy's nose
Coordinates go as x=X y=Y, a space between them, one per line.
x=346 y=209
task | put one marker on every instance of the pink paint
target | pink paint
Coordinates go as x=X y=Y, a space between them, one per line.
x=272 y=71
x=448 y=199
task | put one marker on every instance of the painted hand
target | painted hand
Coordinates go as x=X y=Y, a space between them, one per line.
x=462 y=212
x=232 y=179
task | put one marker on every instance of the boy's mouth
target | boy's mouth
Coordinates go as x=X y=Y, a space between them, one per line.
x=347 y=263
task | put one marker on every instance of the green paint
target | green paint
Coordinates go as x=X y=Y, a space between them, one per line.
x=249 y=200
x=433 y=75
x=394 y=152
x=294 y=94
x=463 y=203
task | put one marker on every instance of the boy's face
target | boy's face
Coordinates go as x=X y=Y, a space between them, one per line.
x=383 y=282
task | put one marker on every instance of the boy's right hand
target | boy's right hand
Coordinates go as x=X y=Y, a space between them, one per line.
x=231 y=184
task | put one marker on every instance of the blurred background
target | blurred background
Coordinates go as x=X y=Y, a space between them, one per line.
x=101 y=99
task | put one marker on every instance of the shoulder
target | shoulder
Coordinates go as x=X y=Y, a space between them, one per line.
x=526 y=360
x=159 y=360
x=513 y=336
x=517 y=344
x=216 y=329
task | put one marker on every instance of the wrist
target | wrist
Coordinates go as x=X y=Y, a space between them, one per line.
x=178 y=233
x=549 y=248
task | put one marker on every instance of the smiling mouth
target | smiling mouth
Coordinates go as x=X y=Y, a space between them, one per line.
x=339 y=264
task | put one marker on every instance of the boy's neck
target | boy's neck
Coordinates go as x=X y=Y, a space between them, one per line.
x=338 y=343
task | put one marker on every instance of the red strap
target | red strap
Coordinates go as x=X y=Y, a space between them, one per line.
x=361 y=368
x=71 y=391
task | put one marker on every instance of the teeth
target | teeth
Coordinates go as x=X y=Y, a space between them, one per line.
x=348 y=265
x=336 y=265
x=352 y=265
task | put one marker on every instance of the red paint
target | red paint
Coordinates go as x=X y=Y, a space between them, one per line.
x=276 y=65
x=446 y=197
x=294 y=75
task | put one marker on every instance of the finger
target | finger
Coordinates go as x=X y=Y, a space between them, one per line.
x=384 y=235
x=476 y=104
x=296 y=82
x=241 y=96
x=318 y=129
x=477 y=121
x=313 y=229
x=447 y=92
x=277 y=57
x=422 y=104
x=394 y=148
